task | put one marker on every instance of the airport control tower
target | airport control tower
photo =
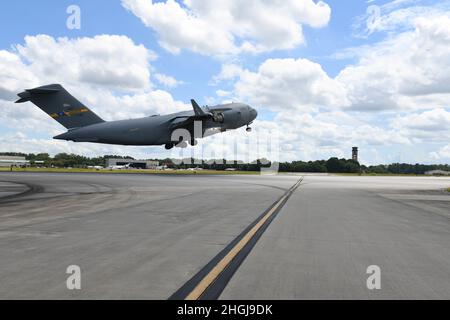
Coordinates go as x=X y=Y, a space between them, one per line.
x=355 y=153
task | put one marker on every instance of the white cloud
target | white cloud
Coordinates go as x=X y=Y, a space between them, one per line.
x=106 y=60
x=402 y=80
x=337 y=130
x=109 y=74
x=288 y=84
x=116 y=107
x=436 y=120
x=26 y=117
x=14 y=75
x=229 y=71
x=167 y=81
x=432 y=126
x=442 y=154
x=406 y=72
x=396 y=94
x=396 y=16
x=302 y=136
x=225 y=27
x=222 y=93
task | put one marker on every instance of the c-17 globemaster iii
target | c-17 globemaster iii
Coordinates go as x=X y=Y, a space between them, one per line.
x=85 y=126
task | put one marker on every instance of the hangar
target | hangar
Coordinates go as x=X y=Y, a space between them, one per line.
x=8 y=161
x=437 y=173
x=140 y=164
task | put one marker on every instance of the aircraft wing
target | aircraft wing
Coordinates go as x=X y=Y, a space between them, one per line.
x=199 y=115
x=221 y=109
x=197 y=110
x=180 y=121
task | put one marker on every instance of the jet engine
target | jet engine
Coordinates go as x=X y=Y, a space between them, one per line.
x=218 y=117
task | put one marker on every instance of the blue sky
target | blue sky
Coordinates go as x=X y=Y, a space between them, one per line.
x=21 y=18
x=342 y=89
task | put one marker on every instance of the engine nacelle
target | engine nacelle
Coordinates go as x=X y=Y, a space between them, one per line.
x=218 y=117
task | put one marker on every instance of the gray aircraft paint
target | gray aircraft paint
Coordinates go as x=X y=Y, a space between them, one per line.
x=85 y=126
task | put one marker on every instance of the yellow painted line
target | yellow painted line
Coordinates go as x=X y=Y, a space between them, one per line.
x=217 y=270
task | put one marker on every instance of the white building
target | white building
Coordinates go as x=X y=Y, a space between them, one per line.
x=7 y=161
x=438 y=173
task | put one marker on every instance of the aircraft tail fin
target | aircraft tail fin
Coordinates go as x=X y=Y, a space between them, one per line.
x=60 y=105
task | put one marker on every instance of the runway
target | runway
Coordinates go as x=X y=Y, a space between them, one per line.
x=138 y=236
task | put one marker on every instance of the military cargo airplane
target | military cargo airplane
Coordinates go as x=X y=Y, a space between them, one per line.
x=85 y=126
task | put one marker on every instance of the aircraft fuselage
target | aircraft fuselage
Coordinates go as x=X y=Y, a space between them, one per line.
x=171 y=130
x=157 y=130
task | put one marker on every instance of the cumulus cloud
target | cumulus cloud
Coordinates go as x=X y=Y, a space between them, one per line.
x=105 y=60
x=225 y=27
x=442 y=154
x=431 y=126
x=110 y=74
x=297 y=85
x=396 y=16
x=167 y=81
x=436 y=120
x=409 y=71
x=395 y=94
x=14 y=75
x=229 y=71
x=116 y=107
x=303 y=136
x=337 y=130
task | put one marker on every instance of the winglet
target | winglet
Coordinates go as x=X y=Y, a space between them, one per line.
x=197 y=110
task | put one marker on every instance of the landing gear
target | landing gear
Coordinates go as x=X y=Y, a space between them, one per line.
x=248 y=129
x=169 y=146
x=193 y=142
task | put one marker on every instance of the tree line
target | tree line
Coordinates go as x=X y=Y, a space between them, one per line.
x=332 y=165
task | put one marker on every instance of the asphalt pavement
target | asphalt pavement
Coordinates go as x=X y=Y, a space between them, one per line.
x=138 y=236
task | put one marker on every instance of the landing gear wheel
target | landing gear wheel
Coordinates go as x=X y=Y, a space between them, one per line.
x=169 y=146
x=248 y=129
x=193 y=142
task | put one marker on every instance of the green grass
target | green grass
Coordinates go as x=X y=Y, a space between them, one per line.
x=136 y=171
x=448 y=189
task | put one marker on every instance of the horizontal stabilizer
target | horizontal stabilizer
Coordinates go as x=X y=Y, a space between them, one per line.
x=45 y=89
x=26 y=95
x=59 y=104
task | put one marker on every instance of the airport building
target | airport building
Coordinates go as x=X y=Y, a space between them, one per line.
x=438 y=173
x=139 y=164
x=8 y=161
